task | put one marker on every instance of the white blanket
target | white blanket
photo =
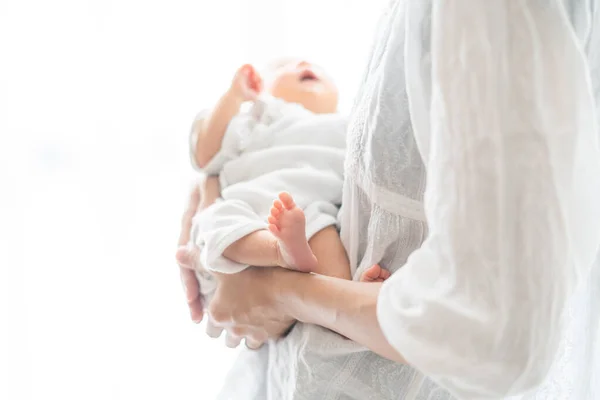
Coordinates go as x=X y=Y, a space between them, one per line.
x=274 y=147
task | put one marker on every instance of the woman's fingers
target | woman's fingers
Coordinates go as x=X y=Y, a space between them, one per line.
x=217 y=322
x=239 y=305
x=253 y=338
x=212 y=330
x=188 y=257
x=192 y=294
x=185 y=259
x=188 y=215
x=253 y=344
x=232 y=341
x=196 y=307
x=189 y=281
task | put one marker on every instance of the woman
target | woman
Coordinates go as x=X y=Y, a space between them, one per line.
x=492 y=102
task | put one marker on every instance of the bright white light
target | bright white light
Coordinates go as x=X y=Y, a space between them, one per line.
x=96 y=99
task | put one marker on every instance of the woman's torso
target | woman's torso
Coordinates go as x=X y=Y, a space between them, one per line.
x=382 y=221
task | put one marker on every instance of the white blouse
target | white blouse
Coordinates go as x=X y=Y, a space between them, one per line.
x=503 y=114
x=496 y=284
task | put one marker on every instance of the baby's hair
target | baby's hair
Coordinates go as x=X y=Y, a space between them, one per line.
x=268 y=68
x=278 y=62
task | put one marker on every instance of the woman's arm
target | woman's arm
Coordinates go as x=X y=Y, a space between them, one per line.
x=274 y=297
x=512 y=199
x=344 y=306
x=211 y=191
x=512 y=204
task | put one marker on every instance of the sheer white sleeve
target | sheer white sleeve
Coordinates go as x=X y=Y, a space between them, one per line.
x=510 y=142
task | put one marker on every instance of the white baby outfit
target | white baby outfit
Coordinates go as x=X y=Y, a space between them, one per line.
x=272 y=148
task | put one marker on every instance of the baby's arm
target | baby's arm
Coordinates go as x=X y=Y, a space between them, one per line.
x=210 y=131
x=211 y=191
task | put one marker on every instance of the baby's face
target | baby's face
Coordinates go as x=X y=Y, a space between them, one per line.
x=297 y=81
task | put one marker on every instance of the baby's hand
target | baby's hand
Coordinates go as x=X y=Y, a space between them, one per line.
x=247 y=83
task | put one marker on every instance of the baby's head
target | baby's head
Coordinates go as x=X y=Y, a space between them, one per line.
x=297 y=81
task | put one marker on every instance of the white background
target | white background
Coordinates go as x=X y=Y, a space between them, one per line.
x=96 y=99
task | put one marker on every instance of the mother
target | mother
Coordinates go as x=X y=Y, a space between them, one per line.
x=494 y=104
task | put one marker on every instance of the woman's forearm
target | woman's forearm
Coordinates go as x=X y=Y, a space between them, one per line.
x=211 y=191
x=346 y=307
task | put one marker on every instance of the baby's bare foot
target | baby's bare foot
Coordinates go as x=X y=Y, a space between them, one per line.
x=375 y=274
x=288 y=224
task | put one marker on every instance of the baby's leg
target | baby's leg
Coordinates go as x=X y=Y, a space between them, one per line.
x=285 y=245
x=288 y=224
x=324 y=254
x=331 y=254
x=258 y=248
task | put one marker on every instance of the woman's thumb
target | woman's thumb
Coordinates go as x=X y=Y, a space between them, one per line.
x=187 y=258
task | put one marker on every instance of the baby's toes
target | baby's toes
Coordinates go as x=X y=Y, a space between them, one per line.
x=278 y=205
x=372 y=273
x=287 y=200
x=272 y=220
x=275 y=212
x=274 y=230
x=369 y=275
x=384 y=274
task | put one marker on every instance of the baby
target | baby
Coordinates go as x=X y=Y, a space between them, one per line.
x=290 y=140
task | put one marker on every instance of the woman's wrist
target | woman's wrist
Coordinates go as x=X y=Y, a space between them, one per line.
x=346 y=307
x=308 y=298
x=289 y=292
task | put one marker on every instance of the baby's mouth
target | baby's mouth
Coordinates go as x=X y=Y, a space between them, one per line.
x=308 y=76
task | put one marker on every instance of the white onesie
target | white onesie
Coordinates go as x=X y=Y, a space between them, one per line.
x=274 y=147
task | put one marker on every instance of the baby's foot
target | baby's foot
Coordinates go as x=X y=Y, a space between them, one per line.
x=288 y=224
x=375 y=274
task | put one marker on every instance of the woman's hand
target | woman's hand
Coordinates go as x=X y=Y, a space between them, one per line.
x=185 y=261
x=203 y=194
x=261 y=303
x=247 y=305
x=252 y=286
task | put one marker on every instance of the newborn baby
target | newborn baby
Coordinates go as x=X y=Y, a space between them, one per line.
x=280 y=166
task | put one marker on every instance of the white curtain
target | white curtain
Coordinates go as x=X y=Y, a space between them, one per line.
x=96 y=99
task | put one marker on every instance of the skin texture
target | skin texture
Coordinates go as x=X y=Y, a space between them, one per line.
x=184 y=259
x=202 y=195
x=284 y=244
x=274 y=301
x=277 y=305
x=292 y=80
x=298 y=81
x=261 y=303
